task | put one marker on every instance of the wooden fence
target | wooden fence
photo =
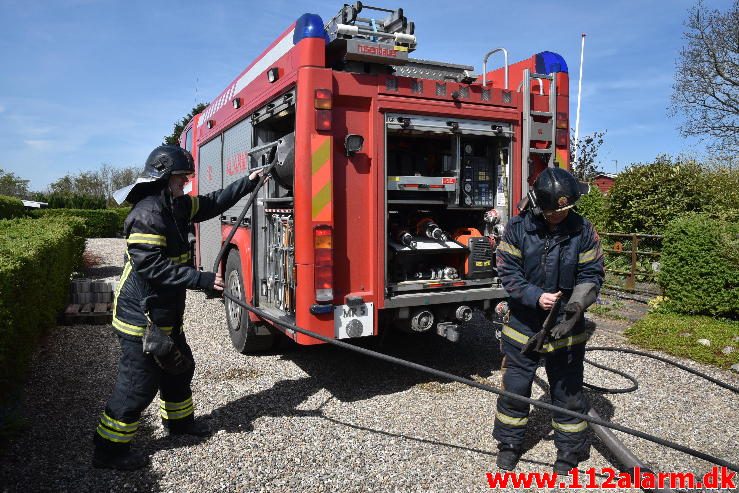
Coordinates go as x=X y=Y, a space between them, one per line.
x=637 y=278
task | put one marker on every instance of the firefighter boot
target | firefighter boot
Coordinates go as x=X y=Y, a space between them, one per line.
x=508 y=456
x=121 y=461
x=568 y=460
x=191 y=427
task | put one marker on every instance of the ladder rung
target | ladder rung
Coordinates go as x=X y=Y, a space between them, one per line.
x=540 y=151
x=541 y=113
x=540 y=76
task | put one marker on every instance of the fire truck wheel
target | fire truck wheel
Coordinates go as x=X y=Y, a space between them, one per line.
x=246 y=336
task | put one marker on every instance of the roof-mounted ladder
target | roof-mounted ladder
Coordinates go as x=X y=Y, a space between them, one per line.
x=395 y=29
x=538 y=126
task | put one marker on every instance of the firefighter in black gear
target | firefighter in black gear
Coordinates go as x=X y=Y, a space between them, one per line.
x=150 y=298
x=548 y=253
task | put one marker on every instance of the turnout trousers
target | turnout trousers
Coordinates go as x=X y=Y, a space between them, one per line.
x=564 y=367
x=139 y=379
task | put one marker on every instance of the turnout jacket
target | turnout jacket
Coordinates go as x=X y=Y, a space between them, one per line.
x=157 y=264
x=532 y=260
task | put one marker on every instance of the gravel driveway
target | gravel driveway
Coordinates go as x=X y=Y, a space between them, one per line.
x=323 y=419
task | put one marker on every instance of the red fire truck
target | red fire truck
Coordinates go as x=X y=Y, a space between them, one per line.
x=393 y=177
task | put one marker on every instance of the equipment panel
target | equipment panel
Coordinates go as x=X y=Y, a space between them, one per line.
x=210 y=179
x=444 y=177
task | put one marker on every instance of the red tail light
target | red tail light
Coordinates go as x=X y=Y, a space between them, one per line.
x=323 y=253
x=323 y=102
x=323 y=119
x=323 y=99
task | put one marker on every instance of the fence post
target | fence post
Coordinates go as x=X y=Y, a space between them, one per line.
x=631 y=281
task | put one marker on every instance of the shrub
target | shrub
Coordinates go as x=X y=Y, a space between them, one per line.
x=74 y=201
x=122 y=213
x=722 y=187
x=37 y=257
x=99 y=223
x=699 y=269
x=11 y=207
x=646 y=197
x=594 y=206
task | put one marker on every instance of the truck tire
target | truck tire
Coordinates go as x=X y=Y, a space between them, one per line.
x=246 y=336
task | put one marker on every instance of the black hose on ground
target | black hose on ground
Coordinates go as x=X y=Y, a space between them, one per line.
x=620 y=451
x=653 y=356
x=593 y=418
x=441 y=374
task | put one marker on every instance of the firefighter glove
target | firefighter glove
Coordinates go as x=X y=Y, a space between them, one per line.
x=573 y=313
x=175 y=362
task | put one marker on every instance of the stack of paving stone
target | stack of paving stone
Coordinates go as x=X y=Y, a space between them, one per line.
x=91 y=302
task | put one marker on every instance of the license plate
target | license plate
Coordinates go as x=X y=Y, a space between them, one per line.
x=354 y=321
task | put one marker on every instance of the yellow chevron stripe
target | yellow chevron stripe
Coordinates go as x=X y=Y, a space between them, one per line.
x=321 y=183
x=321 y=155
x=320 y=201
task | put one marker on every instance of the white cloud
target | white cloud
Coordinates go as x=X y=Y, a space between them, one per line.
x=2 y=108
x=39 y=144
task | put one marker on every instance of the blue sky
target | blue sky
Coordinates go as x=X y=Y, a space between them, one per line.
x=85 y=82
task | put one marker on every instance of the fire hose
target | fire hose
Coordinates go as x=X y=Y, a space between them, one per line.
x=590 y=418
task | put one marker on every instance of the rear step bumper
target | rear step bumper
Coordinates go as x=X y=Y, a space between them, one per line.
x=417 y=299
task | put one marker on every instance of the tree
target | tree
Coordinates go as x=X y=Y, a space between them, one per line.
x=585 y=168
x=95 y=185
x=706 y=88
x=174 y=138
x=13 y=185
x=646 y=197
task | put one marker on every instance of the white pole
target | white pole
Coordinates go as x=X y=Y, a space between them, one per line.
x=579 y=96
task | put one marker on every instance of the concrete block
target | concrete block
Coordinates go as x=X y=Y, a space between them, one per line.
x=99 y=287
x=100 y=308
x=81 y=298
x=106 y=297
x=81 y=286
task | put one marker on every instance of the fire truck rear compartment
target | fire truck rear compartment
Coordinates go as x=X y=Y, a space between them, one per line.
x=273 y=243
x=446 y=195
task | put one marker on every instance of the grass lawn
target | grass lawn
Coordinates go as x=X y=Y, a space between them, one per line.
x=678 y=335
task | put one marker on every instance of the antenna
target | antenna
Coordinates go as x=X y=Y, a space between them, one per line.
x=579 y=97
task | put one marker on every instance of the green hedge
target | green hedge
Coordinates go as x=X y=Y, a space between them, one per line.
x=722 y=186
x=646 y=197
x=37 y=257
x=11 y=207
x=75 y=201
x=99 y=223
x=699 y=268
x=122 y=213
x=594 y=206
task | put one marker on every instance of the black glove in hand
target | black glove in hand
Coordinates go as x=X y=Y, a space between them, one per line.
x=573 y=312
